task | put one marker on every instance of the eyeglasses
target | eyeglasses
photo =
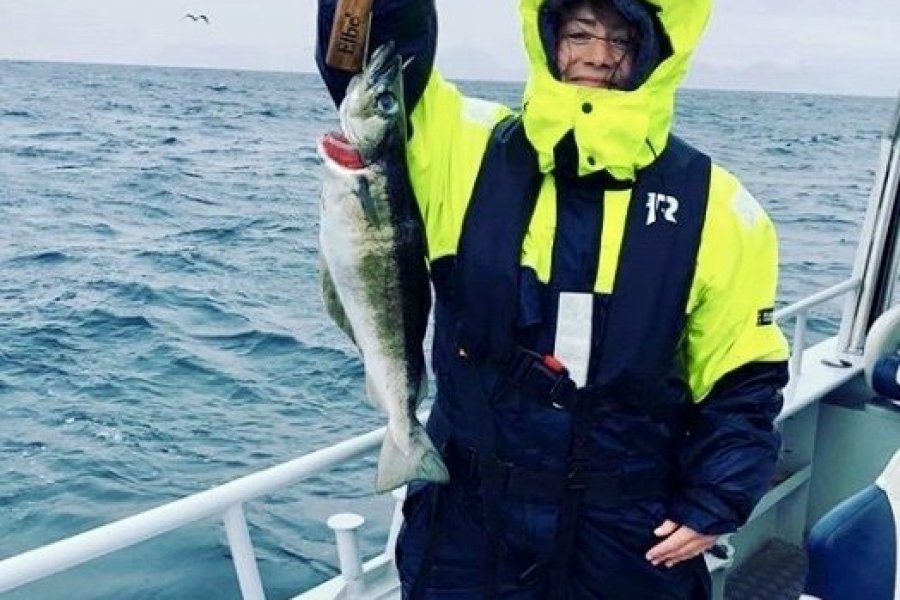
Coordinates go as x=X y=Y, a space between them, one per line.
x=620 y=45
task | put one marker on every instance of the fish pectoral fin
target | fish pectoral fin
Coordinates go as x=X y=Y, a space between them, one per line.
x=332 y=301
x=367 y=203
x=422 y=462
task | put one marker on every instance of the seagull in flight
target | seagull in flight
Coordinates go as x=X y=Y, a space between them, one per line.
x=196 y=18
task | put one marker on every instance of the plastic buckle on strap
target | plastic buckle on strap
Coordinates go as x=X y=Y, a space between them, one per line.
x=544 y=376
x=577 y=476
x=563 y=395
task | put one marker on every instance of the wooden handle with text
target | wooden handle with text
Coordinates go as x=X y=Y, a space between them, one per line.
x=349 y=34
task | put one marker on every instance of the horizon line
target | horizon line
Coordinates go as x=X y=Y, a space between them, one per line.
x=497 y=79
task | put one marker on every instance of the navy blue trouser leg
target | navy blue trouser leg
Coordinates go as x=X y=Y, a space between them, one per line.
x=457 y=571
x=608 y=562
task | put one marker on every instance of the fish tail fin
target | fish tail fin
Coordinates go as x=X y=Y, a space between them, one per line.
x=422 y=462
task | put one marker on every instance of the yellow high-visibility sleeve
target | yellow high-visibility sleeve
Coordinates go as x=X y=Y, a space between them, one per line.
x=732 y=296
x=449 y=135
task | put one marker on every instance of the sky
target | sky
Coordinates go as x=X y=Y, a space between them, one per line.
x=817 y=46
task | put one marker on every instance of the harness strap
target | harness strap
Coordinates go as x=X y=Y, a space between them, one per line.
x=573 y=497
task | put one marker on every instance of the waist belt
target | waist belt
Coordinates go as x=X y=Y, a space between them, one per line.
x=601 y=489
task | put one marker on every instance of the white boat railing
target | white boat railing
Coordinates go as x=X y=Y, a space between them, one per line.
x=226 y=501
x=801 y=311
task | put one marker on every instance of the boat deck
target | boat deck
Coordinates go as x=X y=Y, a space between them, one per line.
x=776 y=572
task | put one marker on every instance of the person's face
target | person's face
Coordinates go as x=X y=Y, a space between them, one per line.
x=596 y=47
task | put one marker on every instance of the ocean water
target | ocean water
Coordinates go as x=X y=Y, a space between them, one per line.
x=161 y=329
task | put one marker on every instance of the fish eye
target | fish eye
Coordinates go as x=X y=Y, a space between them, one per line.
x=386 y=102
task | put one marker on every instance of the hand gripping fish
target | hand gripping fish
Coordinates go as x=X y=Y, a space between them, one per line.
x=375 y=280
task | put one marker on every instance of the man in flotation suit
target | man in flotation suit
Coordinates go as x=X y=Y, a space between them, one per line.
x=607 y=364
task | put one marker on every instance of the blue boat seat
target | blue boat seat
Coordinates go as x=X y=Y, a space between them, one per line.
x=852 y=549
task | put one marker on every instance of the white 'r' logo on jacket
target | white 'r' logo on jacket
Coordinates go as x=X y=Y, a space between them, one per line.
x=661 y=204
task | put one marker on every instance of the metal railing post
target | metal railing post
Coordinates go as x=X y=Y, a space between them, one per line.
x=796 y=364
x=397 y=522
x=242 y=554
x=345 y=526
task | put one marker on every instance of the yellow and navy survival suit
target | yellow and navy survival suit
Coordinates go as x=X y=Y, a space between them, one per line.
x=604 y=346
